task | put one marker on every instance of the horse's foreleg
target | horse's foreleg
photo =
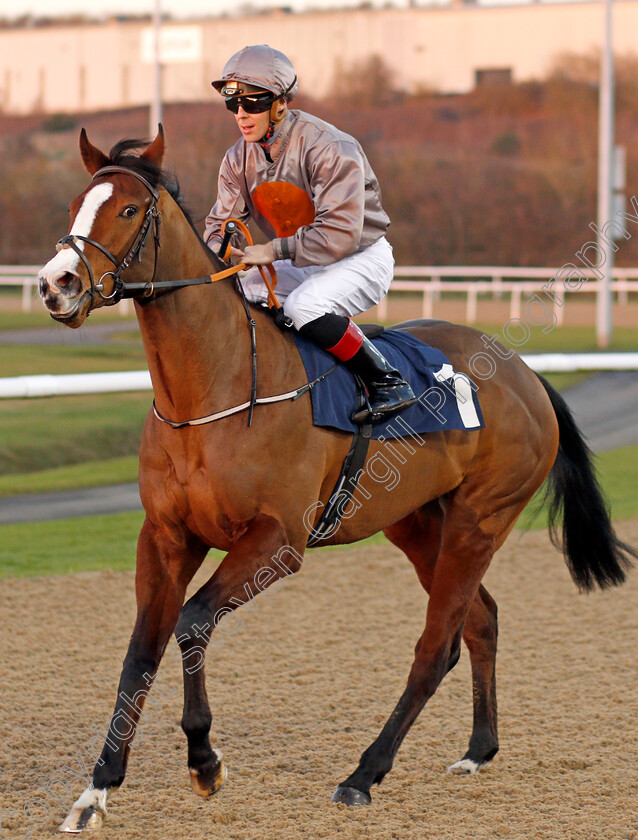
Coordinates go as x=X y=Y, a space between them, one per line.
x=480 y=635
x=164 y=568
x=258 y=559
x=464 y=556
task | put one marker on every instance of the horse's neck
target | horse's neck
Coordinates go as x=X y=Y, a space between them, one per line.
x=194 y=338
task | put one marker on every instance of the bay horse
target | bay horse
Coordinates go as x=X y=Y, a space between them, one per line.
x=254 y=490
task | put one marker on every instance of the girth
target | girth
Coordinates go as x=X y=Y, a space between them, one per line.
x=347 y=482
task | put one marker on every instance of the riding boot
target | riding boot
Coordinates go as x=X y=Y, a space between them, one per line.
x=388 y=391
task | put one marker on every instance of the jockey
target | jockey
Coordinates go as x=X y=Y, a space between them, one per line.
x=338 y=265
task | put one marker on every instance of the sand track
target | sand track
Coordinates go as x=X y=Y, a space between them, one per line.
x=306 y=683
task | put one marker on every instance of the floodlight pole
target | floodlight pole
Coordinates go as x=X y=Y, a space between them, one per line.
x=606 y=248
x=156 y=100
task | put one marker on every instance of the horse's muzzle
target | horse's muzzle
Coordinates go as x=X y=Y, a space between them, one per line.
x=63 y=297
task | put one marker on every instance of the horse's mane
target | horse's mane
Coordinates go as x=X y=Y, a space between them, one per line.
x=120 y=155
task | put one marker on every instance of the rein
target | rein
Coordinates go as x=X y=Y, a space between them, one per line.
x=149 y=288
x=352 y=466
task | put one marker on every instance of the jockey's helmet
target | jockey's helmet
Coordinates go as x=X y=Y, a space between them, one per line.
x=258 y=68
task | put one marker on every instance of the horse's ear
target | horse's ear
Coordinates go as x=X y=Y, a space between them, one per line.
x=155 y=152
x=92 y=157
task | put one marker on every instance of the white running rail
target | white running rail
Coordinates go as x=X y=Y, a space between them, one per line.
x=428 y=281
x=19 y=387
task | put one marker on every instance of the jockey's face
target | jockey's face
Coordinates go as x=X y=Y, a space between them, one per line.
x=252 y=126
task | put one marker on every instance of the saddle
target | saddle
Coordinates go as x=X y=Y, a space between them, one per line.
x=447 y=400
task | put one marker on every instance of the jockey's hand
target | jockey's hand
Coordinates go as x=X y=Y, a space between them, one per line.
x=259 y=254
x=235 y=256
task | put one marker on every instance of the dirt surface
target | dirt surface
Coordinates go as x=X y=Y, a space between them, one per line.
x=305 y=684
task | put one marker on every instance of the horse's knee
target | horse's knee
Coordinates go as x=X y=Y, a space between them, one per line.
x=193 y=624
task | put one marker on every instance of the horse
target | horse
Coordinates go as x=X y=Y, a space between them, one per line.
x=253 y=490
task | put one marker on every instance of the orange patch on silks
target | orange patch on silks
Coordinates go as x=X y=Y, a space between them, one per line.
x=286 y=206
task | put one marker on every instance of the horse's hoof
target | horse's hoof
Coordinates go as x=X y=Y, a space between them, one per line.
x=465 y=767
x=208 y=783
x=88 y=813
x=351 y=796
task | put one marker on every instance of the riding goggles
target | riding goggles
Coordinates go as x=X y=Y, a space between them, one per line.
x=252 y=103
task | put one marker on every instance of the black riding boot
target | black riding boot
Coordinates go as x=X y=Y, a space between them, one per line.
x=388 y=391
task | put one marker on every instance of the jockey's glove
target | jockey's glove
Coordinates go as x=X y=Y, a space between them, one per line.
x=259 y=254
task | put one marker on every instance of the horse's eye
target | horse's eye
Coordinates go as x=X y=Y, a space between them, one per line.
x=129 y=211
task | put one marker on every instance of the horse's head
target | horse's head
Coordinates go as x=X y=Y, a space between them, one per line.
x=110 y=223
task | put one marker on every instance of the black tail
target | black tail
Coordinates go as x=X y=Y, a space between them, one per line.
x=593 y=552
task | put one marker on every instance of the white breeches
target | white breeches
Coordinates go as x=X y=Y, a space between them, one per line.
x=347 y=287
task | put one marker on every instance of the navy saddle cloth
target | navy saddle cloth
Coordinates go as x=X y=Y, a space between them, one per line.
x=446 y=400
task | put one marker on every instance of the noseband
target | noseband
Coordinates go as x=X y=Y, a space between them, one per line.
x=151 y=216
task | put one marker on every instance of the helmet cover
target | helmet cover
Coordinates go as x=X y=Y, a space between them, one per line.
x=262 y=67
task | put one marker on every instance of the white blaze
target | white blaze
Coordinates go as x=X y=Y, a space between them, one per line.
x=66 y=259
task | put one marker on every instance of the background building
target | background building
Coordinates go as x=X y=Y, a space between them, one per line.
x=90 y=67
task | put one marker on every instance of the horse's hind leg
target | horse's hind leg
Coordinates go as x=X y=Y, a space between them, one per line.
x=480 y=635
x=419 y=536
x=466 y=551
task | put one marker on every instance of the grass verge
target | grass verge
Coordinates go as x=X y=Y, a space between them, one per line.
x=36 y=359
x=617 y=470
x=13 y=318
x=74 y=477
x=42 y=434
x=85 y=544
x=109 y=542
x=60 y=443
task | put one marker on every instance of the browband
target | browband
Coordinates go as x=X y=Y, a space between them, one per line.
x=123 y=170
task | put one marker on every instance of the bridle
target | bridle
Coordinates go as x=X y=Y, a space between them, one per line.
x=150 y=288
x=120 y=290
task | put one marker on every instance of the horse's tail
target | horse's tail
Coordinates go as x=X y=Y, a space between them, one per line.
x=593 y=552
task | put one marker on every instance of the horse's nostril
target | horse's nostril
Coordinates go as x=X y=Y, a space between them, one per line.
x=67 y=284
